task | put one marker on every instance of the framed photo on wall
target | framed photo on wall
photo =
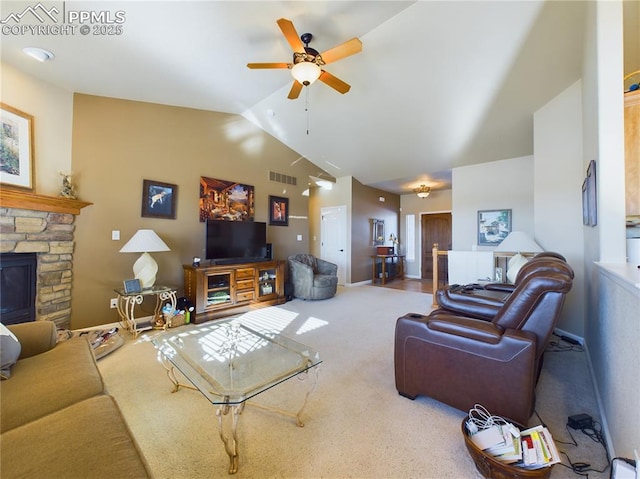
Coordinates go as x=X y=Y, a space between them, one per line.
x=159 y=199
x=592 y=196
x=278 y=211
x=493 y=226
x=585 y=202
x=16 y=148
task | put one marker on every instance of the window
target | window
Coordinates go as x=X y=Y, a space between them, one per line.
x=410 y=237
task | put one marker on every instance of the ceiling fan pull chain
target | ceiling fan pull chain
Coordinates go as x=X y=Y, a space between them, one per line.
x=306 y=108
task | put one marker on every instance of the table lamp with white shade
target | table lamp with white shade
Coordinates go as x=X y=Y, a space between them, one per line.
x=517 y=242
x=145 y=267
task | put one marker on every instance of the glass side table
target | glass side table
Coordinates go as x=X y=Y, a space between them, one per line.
x=127 y=302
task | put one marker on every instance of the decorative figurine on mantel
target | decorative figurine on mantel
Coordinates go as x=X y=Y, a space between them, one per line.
x=68 y=191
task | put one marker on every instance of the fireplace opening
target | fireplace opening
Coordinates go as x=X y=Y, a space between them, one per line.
x=17 y=287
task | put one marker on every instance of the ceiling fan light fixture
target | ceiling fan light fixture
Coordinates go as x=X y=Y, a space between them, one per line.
x=306 y=73
x=423 y=191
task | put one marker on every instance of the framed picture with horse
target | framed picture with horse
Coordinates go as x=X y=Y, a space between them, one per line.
x=159 y=199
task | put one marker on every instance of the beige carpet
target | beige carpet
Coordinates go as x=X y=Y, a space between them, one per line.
x=356 y=424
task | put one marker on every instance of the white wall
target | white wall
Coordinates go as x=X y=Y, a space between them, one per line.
x=504 y=184
x=610 y=173
x=558 y=176
x=612 y=330
x=52 y=111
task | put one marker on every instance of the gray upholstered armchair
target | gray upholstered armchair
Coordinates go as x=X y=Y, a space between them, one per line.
x=311 y=277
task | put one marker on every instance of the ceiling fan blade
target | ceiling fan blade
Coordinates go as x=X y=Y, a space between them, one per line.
x=350 y=47
x=334 y=82
x=296 y=88
x=289 y=32
x=268 y=65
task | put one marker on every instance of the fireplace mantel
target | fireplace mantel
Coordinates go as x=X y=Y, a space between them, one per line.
x=10 y=198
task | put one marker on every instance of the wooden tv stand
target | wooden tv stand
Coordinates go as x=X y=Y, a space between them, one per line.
x=223 y=290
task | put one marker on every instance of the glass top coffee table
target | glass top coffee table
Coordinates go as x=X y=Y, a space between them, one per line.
x=230 y=363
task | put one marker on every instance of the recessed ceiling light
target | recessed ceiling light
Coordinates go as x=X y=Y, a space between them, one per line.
x=39 y=54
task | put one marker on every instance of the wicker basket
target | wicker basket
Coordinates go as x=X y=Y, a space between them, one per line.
x=491 y=468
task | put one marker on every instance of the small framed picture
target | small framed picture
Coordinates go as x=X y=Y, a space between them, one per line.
x=16 y=148
x=159 y=199
x=592 y=196
x=493 y=226
x=132 y=286
x=278 y=211
x=585 y=202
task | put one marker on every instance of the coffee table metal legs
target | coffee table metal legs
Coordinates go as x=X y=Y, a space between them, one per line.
x=232 y=411
x=298 y=415
x=314 y=384
x=230 y=443
x=171 y=373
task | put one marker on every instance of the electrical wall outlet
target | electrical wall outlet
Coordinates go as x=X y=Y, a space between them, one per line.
x=113 y=303
x=622 y=470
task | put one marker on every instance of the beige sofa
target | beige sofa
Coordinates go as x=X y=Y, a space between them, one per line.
x=57 y=420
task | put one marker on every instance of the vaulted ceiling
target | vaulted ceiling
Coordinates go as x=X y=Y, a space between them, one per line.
x=438 y=84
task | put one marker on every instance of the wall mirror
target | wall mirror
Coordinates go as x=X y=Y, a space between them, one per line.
x=377 y=231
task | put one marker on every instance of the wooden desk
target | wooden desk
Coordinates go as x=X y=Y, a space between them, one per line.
x=393 y=262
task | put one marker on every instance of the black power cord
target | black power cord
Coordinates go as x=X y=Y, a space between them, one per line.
x=591 y=429
x=563 y=344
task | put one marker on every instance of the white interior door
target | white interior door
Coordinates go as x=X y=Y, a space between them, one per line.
x=333 y=238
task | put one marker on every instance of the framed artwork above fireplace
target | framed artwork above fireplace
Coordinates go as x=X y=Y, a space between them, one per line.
x=16 y=148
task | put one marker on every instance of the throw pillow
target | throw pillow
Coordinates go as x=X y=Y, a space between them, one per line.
x=514 y=265
x=9 y=351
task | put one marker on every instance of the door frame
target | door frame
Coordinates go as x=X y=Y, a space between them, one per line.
x=342 y=262
x=419 y=233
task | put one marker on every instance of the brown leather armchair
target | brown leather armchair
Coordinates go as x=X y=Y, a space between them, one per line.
x=483 y=302
x=462 y=361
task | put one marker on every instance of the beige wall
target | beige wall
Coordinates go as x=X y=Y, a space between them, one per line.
x=52 y=110
x=367 y=205
x=117 y=144
x=362 y=204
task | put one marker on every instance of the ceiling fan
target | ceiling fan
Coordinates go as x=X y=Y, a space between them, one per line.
x=307 y=63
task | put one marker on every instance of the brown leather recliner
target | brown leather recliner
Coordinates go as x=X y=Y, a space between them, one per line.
x=463 y=361
x=484 y=302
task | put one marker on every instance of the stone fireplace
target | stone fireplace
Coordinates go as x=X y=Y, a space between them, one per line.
x=31 y=223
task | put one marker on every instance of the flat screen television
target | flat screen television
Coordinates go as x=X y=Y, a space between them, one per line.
x=235 y=241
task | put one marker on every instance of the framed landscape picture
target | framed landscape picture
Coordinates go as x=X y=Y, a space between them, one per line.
x=278 y=211
x=226 y=200
x=159 y=199
x=493 y=226
x=16 y=148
